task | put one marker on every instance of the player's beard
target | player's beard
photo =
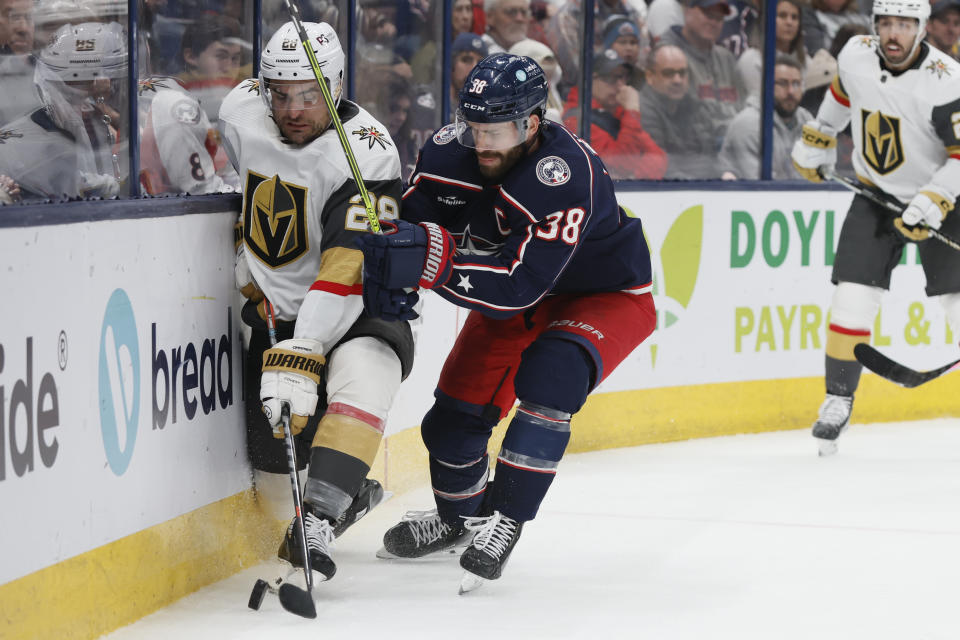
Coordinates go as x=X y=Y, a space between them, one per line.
x=786 y=110
x=507 y=159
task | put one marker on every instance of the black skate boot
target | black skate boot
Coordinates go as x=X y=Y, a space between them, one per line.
x=420 y=533
x=369 y=496
x=492 y=543
x=832 y=421
x=319 y=536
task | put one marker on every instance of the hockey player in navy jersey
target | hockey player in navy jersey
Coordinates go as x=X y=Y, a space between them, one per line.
x=902 y=100
x=514 y=218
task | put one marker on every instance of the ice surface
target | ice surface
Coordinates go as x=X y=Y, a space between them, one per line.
x=741 y=537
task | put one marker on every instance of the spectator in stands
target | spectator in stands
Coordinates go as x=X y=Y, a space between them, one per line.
x=825 y=17
x=563 y=35
x=507 y=22
x=16 y=59
x=625 y=37
x=466 y=51
x=741 y=28
x=543 y=56
x=16 y=27
x=713 y=74
x=740 y=154
x=615 y=130
x=675 y=119
x=211 y=54
x=943 y=28
x=462 y=17
x=789 y=41
x=394 y=104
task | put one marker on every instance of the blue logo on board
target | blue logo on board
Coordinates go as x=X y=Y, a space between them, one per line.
x=119 y=377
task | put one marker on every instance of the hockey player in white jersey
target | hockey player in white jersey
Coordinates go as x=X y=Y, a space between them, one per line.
x=73 y=146
x=902 y=101
x=301 y=214
x=180 y=150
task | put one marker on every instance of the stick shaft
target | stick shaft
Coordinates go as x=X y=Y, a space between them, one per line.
x=372 y=218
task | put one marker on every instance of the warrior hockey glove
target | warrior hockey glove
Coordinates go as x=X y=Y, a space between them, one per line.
x=815 y=151
x=291 y=373
x=408 y=255
x=390 y=304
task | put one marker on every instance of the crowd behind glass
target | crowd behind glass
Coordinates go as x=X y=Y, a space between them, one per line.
x=675 y=86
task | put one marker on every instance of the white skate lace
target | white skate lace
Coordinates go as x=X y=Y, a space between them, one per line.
x=835 y=409
x=319 y=533
x=493 y=533
x=426 y=526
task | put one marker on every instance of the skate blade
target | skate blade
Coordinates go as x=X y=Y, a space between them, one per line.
x=383 y=554
x=827 y=447
x=470 y=582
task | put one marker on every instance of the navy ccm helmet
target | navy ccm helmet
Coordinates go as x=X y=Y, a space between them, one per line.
x=501 y=88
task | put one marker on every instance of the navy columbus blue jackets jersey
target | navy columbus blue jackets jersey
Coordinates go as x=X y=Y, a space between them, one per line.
x=551 y=226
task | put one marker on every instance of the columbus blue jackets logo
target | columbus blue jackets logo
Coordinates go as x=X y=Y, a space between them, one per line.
x=445 y=135
x=274 y=219
x=373 y=136
x=553 y=171
x=881 y=143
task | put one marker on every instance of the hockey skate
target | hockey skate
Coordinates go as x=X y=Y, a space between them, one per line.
x=832 y=421
x=494 y=539
x=370 y=495
x=319 y=536
x=421 y=533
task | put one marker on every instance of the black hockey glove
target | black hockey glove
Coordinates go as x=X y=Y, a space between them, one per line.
x=408 y=255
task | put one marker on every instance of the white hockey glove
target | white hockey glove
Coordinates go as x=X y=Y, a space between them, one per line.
x=245 y=282
x=291 y=373
x=925 y=211
x=815 y=151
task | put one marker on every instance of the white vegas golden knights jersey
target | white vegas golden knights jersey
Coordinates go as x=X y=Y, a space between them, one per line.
x=301 y=208
x=905 y=125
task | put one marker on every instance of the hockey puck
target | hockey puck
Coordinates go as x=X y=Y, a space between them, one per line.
x=257 y=593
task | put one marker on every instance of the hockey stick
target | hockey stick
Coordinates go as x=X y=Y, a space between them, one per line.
x=894 y=371
x=292 y=598
x=372 y=218
x=875 y=197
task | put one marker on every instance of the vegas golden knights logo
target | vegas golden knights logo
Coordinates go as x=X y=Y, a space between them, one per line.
x=274 y=219
x=881 y=144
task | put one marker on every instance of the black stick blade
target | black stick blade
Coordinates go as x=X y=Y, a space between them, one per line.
x=257 y=593
x=894 y=371
x=297 y=601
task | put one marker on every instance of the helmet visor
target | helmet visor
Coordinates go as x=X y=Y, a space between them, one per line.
x=491 y=136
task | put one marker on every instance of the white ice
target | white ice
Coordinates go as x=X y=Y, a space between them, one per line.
x=741 y=537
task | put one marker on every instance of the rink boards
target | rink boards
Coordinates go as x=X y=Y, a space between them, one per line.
x=123 y=480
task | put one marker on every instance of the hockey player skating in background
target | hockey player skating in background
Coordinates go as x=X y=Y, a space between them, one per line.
x=514 y=218
x=74 y=145
x=902 y=99
x=301 y=213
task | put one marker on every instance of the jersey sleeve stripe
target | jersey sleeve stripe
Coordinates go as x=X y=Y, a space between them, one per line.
x=444 y=180
x=522 y=209
x=336 y=288
x=836 y=88
x=849 y=332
